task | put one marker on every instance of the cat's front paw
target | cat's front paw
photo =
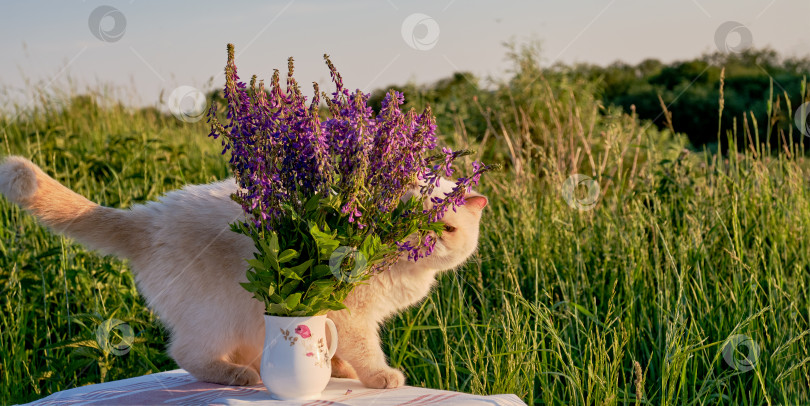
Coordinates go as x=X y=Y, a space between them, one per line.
x=387 y=378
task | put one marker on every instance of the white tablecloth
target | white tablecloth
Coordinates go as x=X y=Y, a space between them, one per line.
x=178 y=387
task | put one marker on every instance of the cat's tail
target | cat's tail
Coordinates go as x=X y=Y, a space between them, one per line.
x=107 y=230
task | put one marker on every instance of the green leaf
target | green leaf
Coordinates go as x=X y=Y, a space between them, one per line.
x=332 y=202
x=256 y=264
x=312 y=203
x=288 y=288
x=315 y=303
x=321 y=289
x=274 y=242
x=270 y=245
x=289 y=273
x=276 y=309
x=287 y=256
x=301 y=268
x=335 y=305
x=303 y=307
x=293 y=300
x=265 y=278
x=326 y=243
x=289 y=211
x=321 y=271
x=271 y=262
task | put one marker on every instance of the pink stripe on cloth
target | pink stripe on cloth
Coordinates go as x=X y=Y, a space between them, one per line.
x=413 y=401
x=136 y=388
x=435 y=399
x=179 y=388
x=191 y=393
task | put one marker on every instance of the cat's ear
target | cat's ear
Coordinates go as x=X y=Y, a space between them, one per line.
x=475 y=201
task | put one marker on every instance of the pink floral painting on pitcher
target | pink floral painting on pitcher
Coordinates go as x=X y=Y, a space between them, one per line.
x=303 y=331
x=311 y=347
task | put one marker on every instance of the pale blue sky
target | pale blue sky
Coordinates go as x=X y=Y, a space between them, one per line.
x=169 y=44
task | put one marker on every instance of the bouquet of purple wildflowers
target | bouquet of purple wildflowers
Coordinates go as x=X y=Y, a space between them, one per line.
x=330 y=197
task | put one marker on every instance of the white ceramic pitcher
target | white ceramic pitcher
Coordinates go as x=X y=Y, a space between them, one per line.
x=296 y=361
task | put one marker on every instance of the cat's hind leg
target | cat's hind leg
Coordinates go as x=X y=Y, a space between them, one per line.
x=249 y=354
x=210 y=365
x=342 y=369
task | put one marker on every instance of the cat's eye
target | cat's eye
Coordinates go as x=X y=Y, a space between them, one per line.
x=449 y=228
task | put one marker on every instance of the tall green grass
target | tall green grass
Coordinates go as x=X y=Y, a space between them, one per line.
x=631 y=302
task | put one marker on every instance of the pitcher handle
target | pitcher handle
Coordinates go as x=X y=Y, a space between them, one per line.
x=333 y=334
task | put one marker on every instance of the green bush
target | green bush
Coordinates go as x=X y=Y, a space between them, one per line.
x=690 y=89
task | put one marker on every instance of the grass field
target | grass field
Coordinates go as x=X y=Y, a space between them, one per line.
x=633 y=301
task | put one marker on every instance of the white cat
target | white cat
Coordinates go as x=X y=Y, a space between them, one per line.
x=188 y=265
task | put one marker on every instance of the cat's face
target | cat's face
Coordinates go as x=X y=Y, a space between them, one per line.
x=459 y=239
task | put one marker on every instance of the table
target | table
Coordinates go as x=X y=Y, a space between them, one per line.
x=179 y=387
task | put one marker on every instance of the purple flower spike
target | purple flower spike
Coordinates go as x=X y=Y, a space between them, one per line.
x=284 y=151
